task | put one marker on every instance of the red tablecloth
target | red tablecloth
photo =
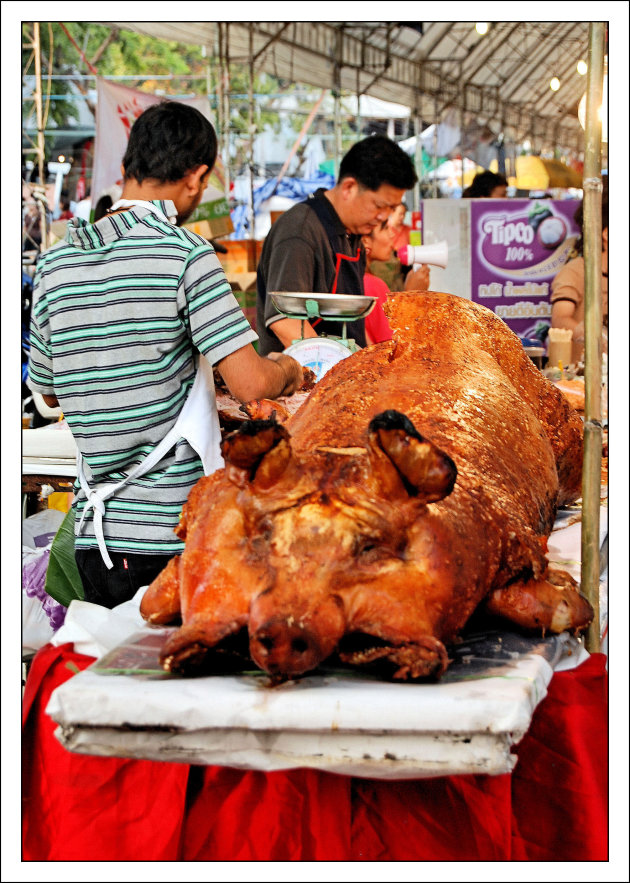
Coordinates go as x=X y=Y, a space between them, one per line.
x=553 y=807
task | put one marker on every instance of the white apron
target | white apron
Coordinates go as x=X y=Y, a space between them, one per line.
x=198 y=424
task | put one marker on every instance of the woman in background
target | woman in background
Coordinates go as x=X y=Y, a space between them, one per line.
x=567 y=288
x=401 y=230
x=379 y=246
x=487 y=185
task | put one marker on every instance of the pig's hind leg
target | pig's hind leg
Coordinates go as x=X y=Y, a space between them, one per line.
x=160 y=603
x=542 y=605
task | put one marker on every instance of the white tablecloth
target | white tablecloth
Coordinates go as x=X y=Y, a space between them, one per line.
x=342 y=722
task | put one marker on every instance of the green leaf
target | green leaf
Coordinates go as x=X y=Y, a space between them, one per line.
x=63 y=582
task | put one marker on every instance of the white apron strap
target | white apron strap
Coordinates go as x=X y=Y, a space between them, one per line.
x=198 y=423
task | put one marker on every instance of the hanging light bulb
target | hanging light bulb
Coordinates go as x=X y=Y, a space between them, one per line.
x=582 y=67
x=481 y=27
x=554 y=84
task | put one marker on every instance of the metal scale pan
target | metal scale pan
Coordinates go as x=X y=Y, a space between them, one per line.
x=321 y=353
x=342 y=307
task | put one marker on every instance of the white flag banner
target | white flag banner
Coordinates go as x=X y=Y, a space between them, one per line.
x=118 y=107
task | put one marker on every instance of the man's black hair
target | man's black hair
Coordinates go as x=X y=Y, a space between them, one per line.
x=378 y=160
x=167 y=141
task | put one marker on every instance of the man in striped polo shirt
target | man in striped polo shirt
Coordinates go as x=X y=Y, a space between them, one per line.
x=123 y=312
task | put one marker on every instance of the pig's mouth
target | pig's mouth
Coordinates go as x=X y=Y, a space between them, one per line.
x=424 y=659
x=188 y=652
x=285 y=654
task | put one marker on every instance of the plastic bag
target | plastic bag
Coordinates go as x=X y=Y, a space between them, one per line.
x=36 y=628
x=38 y=531
x=42 y=616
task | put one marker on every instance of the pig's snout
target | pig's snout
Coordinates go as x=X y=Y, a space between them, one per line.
x=286 y=649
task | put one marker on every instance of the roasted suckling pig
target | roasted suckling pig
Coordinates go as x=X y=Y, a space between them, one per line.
x=416 y=485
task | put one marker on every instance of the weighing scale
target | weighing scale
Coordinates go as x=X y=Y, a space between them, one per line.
x=321 y=353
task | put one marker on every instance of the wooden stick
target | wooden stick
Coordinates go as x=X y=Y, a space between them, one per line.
x=591 y=475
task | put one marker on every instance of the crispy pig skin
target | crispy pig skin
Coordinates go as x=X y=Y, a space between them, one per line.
x=420 y=477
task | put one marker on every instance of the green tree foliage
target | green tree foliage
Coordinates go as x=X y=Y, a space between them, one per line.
x=119 y=52
x=72 y=49
x=112 y=53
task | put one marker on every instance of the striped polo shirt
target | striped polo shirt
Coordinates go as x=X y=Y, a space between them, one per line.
x=121 y=310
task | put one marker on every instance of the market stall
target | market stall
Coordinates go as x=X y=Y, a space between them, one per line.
x=504 y=760
x=334 y=726
x=551 y=808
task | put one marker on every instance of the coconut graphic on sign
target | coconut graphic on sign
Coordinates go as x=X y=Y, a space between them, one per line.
x=551 y=232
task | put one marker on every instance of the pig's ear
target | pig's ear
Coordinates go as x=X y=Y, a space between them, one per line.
x=258 y=451
x=427 y=473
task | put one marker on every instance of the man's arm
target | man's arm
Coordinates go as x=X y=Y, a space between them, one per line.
x=563 y=316
x=289 y=265
x=250 y=376
x=288 y=330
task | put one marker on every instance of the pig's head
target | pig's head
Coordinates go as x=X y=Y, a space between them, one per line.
x=325 y=526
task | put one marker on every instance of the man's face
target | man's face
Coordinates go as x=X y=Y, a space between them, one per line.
x=365 y=210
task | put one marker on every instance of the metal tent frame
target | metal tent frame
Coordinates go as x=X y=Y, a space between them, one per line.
x=502 y=77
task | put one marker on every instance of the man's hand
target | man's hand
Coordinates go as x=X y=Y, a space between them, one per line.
x=249 y=376
x=293 y=372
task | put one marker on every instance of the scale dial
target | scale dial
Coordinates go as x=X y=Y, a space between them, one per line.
x=318 y=353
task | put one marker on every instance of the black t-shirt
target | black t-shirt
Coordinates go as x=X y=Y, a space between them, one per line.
x=301 y=254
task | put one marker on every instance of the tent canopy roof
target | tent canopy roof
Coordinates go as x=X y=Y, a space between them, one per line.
x=501 y=78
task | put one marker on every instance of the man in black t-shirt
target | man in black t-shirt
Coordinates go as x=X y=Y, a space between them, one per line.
x=316 y=245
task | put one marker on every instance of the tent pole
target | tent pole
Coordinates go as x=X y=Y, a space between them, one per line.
x=337 y=130
x=224 y=79
x=416 y=188
x=298 y=140
x=337 y=97
x=435 y=147
x=41 y=146
x=591 y=475
x=358 y=117
x=251 y=137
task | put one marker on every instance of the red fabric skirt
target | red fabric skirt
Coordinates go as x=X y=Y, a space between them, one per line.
x=553 y=807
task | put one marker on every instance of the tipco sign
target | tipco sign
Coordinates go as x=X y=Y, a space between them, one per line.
x=517 y=247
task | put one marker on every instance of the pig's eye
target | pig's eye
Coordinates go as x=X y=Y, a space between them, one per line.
x=367 y=547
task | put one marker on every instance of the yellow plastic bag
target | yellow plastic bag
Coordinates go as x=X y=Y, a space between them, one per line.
x=60 y=501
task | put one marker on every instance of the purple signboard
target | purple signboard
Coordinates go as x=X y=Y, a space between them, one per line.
x=516 y=248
